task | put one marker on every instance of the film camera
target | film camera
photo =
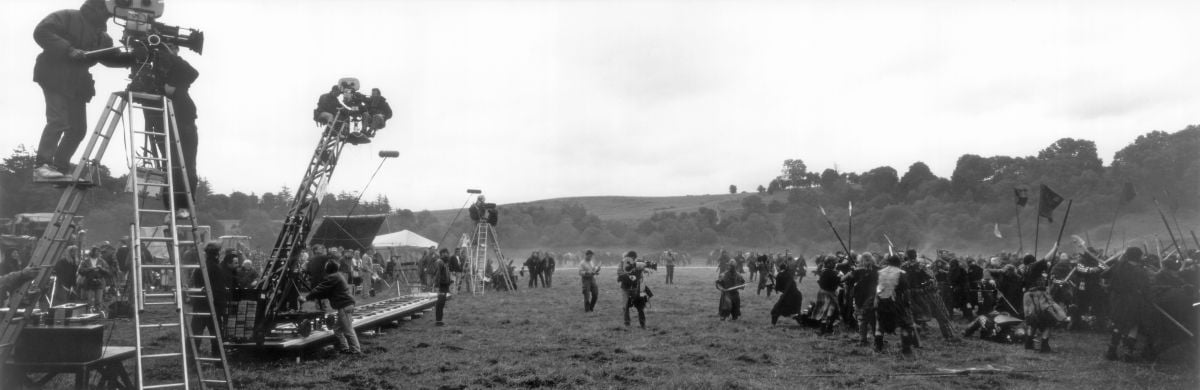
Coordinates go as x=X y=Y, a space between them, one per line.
x=145 y=39
x=483 y=211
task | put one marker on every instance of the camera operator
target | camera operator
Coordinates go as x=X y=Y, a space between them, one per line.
x=62 y=71
x=630 y=275
x=173 y=78
x=379 y=109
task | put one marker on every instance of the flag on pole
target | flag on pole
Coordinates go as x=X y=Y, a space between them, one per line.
x=850 y=208
x=822 y=210
x=1022 y=193
x=996 y=231
x=1048 y=201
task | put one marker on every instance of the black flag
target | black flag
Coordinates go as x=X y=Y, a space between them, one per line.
x=1022 y=193
x=1048 y=201
x=1127 y=194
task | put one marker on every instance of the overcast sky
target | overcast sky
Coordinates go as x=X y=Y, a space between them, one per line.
x=542 y=99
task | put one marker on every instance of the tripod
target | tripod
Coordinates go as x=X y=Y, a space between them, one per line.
x=480 y=257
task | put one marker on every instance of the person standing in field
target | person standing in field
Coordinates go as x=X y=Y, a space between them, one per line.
x=731 y=301
x=670 y=260
x=630 y=275
x=441 y=277
x=587 y=275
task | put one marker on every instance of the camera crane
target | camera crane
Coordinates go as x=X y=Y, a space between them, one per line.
x=282 y=279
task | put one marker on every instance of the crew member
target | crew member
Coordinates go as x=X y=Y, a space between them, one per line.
x=62 y=71
x=93 y=273
x=176 y=76
x=220 y=282
x=379 y=109
x=441 y=277
x=547 y=269
x=587 y=275
x=670 y=260
x=335 y=289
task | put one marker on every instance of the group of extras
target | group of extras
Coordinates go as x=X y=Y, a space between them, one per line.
x=1144 y=302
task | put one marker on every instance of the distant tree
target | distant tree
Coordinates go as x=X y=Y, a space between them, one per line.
x=969 y=174
x=761 y=189
x=917 y=174
x=775 y=185
x=732 y=189
x=829 y=178
x=880 y=180
x=794 y=173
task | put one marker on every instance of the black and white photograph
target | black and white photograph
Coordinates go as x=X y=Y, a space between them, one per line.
x=599 y=194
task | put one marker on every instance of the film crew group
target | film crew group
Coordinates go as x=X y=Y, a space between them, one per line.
x=343 y=104
x=540 y=266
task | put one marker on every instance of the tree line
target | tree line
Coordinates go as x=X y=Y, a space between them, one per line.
x=914 y=209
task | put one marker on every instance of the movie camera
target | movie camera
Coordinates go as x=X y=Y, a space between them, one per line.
x=145 y=39
x=483 y=211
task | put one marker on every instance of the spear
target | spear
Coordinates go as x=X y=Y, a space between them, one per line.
x=835 y=232
x=1063 y=227
x=850 y=233
x=1194 y=238
x=1164 y=219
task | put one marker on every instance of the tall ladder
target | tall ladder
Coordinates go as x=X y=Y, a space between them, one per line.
x=151 y=165
x=58 y=235
x=485 y=238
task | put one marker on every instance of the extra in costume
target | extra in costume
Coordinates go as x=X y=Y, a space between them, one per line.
x=1040 y=310
x=731 y=300
x=790 y=299
x=891 y=308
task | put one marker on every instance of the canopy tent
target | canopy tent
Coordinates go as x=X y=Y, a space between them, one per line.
x=403 y=238
x=355 y=232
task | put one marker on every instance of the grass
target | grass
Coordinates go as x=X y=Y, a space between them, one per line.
x=540 y=338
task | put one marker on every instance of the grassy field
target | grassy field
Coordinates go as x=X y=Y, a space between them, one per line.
x=540 y=338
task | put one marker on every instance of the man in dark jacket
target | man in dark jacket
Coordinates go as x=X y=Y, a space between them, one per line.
x=334 y=288
x=176 y=76
x=379 y=109
x=547 y=269
x=221 y=282
x=62 y=71
x=316 y=271
x=441 y=277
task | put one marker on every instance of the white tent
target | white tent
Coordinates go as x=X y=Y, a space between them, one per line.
x=402 y=238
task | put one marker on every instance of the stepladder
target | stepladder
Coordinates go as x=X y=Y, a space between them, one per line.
x=484 y=254
x=172 y=320
x=168 y=321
